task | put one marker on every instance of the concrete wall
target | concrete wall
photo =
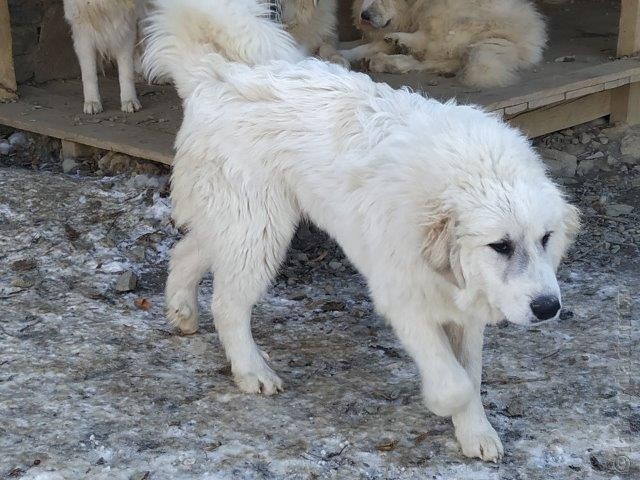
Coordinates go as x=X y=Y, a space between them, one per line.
x=42 y=45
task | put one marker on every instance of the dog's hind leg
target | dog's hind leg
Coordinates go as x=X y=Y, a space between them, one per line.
x=491 y=63
x=129 y=102
x=474 y=432
x=86 y=52
x=189 y=261
x=250 y=246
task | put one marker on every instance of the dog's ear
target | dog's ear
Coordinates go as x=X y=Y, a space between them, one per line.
x=440 y=248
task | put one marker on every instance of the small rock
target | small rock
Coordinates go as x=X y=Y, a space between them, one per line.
x=335 y=265
x=514 y=408
x=18 y=139
x=21 y=283
x=69 y=165
x=559 y=163
x=303 y=257
x=603 y=140
x=630 y=145
x=617 y=209
x=585 y=167
x=585 y=138
x=127 y=282
x=24 y=265
x=595 y=156
x=138 y=252
x=113 y=163
x=5 y=148
x=565 y=59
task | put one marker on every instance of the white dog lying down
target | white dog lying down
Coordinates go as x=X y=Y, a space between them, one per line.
x=313 y=24
x=105 y=28
x=487 y=41
x=444 y=209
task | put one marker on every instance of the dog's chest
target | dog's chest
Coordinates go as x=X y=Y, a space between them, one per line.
x=99 y=14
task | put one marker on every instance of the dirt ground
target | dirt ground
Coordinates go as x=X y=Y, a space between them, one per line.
x=95 y=385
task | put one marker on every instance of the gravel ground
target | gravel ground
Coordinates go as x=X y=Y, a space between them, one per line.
x=93 y=384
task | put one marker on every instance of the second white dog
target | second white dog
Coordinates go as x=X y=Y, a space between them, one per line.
x=486 y=41
x=105 y=28
x=444 y=209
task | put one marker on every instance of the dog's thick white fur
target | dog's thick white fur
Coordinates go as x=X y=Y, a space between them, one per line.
x=444 y=209
x=313 y=24
x=485 y=41
x=105 y=28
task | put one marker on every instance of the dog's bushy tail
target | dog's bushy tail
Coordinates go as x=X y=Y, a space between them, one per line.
x=190 y=41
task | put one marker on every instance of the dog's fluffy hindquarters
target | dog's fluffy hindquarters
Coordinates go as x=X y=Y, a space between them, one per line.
x=105 y=28
x=444 y=209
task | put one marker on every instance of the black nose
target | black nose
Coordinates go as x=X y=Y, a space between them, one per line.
x=366 y=16
x=545 y=307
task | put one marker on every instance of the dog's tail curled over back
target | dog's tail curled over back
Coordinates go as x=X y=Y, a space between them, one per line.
x=190 y=41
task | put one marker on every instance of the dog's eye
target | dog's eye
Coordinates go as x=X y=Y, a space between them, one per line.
x=505 y=247
x=545 y=239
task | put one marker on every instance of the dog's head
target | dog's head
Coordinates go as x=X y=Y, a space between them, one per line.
x=500 y=239
x=375 y=14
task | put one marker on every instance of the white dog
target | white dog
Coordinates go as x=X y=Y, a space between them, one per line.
x=486 y=41
x=105 y=28
x=444 y=209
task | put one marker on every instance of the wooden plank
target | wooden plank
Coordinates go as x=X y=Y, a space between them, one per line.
x=568 y=113
x=629 y=30
x=58 y=118
x=8 y=87
x=625 y=104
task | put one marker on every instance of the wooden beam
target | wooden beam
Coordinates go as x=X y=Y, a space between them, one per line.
x=629 y=30
x=569 y=113
x=8 y=87
x=625 y=100
x=625 y=104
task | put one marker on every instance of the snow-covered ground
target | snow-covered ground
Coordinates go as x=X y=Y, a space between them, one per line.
x=94 y=384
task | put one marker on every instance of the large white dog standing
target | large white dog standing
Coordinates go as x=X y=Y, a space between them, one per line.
x=444 y=209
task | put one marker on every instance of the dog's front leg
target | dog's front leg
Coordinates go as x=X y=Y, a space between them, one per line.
x=329 y=52
x=367 y=50
x=474 y=432
x=86 y=52
x=446 y=385
x=129 y=102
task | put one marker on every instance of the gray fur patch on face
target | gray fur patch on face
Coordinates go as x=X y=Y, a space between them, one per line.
x=517 y=263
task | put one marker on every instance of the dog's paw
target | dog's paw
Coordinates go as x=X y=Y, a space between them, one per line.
x=393 y=39
x=480 y=441
x=182 y=316
x=260 y=379
x=340 y=60
x=91 y=107
x=130 y=106
x=377 y=63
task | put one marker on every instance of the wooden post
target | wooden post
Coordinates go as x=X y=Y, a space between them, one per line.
x=8 y=87
x=625 y=101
